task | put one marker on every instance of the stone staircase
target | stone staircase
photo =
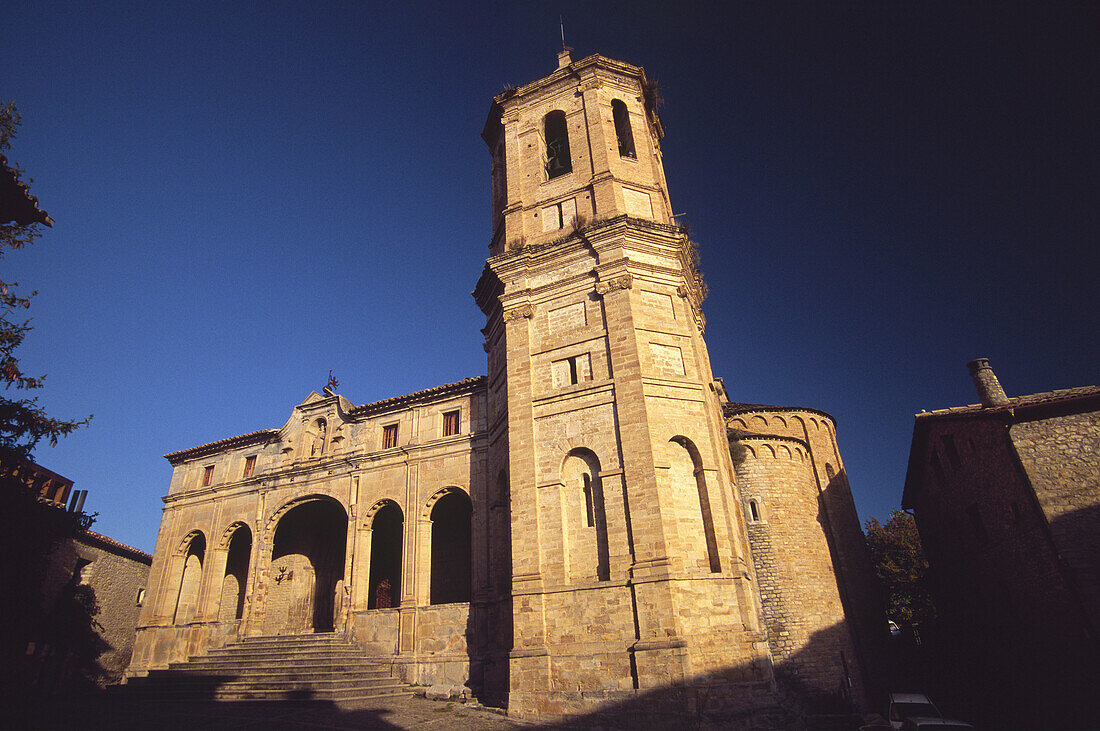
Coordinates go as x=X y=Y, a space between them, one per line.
x=316 y=667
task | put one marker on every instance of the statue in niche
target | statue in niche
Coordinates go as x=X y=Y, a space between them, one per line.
x=318 y=446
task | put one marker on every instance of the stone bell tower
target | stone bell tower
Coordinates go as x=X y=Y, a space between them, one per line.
x=629 y=578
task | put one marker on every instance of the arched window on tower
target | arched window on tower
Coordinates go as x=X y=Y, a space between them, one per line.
x=622 y=129
x=556 y=133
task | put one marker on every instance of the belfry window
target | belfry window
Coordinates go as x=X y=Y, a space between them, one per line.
x=558 y=161
x=623 y=132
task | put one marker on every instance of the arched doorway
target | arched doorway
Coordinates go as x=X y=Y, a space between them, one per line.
x=385 y=557
x=307 y=564
x=451 y=548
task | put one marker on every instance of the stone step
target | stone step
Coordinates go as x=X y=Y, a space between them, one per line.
x=282 y=658
x=230 y=683
x=219 y=694
x=286 y=668
x=279 y=657
x=182 y=673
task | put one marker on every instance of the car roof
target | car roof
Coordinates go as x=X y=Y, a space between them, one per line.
x=909 y=698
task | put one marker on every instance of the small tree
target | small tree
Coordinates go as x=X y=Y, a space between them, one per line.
x=23 y=423
x=901 y=568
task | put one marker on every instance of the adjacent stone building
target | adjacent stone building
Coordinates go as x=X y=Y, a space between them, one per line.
x=71 y=596
x=1006 y=495
x=566 y=534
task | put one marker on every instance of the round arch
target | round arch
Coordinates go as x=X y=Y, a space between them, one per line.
x=277 y=515
x=307 y=539
x=184 y=546
x=231 y=530
x=429 y=505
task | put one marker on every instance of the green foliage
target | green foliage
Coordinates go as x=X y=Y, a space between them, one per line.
x=901 y=568
x=23 y=423
x=738 y=451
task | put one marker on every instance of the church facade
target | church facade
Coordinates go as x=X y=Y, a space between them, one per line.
x=572 y=531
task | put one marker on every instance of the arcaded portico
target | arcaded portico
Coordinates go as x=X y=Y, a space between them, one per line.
x=354 y=519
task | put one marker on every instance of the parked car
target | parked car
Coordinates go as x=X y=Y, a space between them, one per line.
x=924 y=723
x=907 y=705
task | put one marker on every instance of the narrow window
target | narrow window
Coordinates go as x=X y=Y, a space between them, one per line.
x=140 y=596
x=558 y=161
x=389 y=436
x=249 y=466
x=951 y=450
x=622 y=129
x=588 y=499
x=754 y=511
x=450 y=423
x=573 y=370
x=976 y=524
x=937 y=468
x=207 y=475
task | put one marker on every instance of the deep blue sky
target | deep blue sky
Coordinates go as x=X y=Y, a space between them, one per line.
x=250 y=194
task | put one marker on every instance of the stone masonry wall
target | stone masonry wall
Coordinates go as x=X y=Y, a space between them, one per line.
x=807 y=630
x=1061 y=456
x=993 y=565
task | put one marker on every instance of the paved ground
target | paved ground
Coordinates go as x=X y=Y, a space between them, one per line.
x=384 y=713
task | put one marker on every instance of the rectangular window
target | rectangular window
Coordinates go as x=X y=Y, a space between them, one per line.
x=141 y=596
x=207 y=475
x=249 y=465
x=571 y=371
x=450 y=423
x=389 y=436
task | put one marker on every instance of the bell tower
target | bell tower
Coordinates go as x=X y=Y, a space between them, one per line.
x=629 y=569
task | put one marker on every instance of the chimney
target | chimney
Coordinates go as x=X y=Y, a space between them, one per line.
x=985 y=381
x=563 y=57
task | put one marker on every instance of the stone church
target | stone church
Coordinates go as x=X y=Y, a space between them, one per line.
x=591 y=525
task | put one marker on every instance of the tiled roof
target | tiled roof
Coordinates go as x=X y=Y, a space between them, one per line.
x=116 y=546
x=737 y=407
x=241 y=440
x=263 y=435
x=1045 y=398
x=466 y=384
